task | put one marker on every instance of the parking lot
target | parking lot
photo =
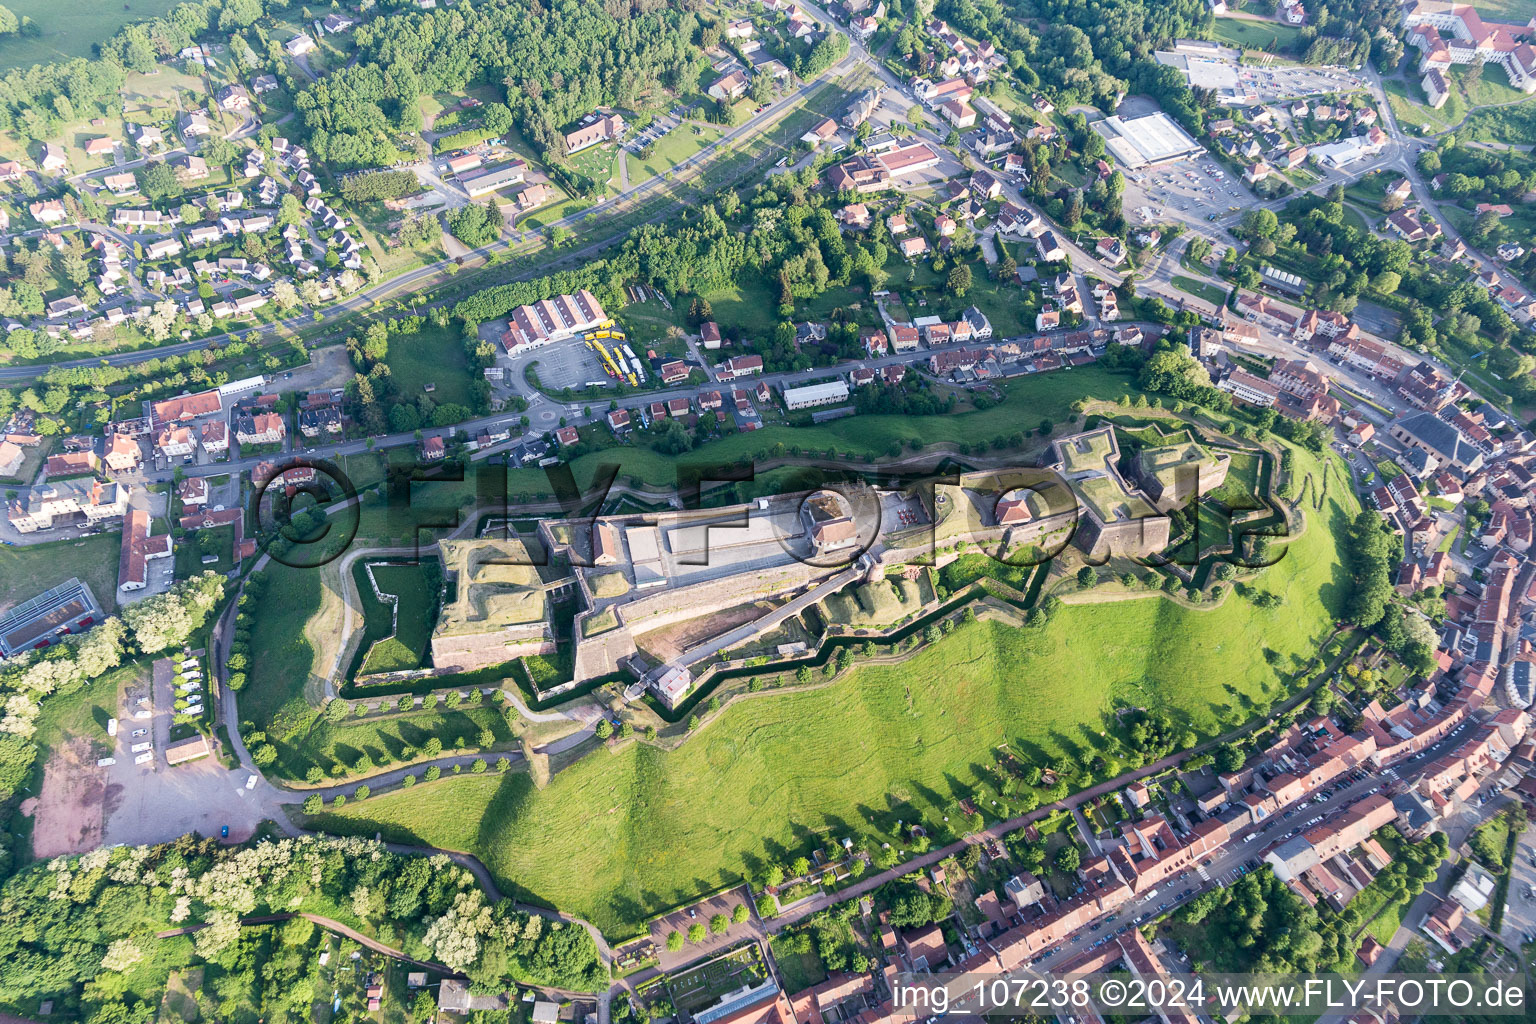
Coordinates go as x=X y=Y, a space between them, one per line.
x=1520 y=911
x=1190 y=190
x=564 y=364
x=1277 y=83
x=663 y=125
x=700 y=913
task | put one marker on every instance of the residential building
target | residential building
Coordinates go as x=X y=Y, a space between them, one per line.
x=138 y=550
x=262 y=427
x=41 y=507
x=830 y=392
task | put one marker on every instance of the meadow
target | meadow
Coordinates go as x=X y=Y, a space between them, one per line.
x=618 y=837
x=70 y=30
x=391 y=642
x=387 y=740
x=1269 y=36
x=284 y=654
x=26 y=571
x=433 y=356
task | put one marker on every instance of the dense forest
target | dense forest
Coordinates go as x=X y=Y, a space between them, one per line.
x=82 y=930
x=556 y=61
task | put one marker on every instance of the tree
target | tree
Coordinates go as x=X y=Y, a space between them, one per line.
x=960 y=280
x=1228 y=757
x=604 y=729
x=158 y=181
x=674 y=941
x=1068 y=858
x=740 y=913
x=696 y=933
x=1260 y=223
x=169 y=619
x=718 y=924
x=1087 y=576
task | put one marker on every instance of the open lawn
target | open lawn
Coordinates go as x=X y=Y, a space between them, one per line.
x=193 y=547
x=70 y=30
x=1269 y=36
x=86 y=711
x=390 y=739
x=396 y=640
x=1491 y=87
x=1200 y=289
x=27 y=571
x=1516 y=12
x=433 y=356
x=620 y=836
x=1412 y=109
x=751 y=305
x=672 y=149
x=283 y=655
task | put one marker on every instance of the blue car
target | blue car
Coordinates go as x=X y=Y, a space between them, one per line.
x=224 y=832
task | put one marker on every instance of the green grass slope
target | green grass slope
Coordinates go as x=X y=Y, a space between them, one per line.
x=617 y=838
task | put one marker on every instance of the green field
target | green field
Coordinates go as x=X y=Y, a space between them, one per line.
x=1514 y=11
x=416 y=588
x=388 y=740
x=1270 y=36
x=284 y=657
x=70 y=30
x=27 y=571
x=1412 y=108
x=1211 y=293
x=672 y=149
x=433 y=356
x=618 y=837
x=1491 y=87
x=190 y=549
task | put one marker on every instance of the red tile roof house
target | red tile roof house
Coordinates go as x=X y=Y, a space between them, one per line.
x=925 y=948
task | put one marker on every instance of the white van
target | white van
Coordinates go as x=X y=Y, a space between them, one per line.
x=144 y=758
x=139 y=748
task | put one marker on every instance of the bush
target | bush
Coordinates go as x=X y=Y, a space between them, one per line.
x=340 y=801
x=432 y=773
x=408 y=781
x=361 y=793
x=479 y=766
x=313 y=803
